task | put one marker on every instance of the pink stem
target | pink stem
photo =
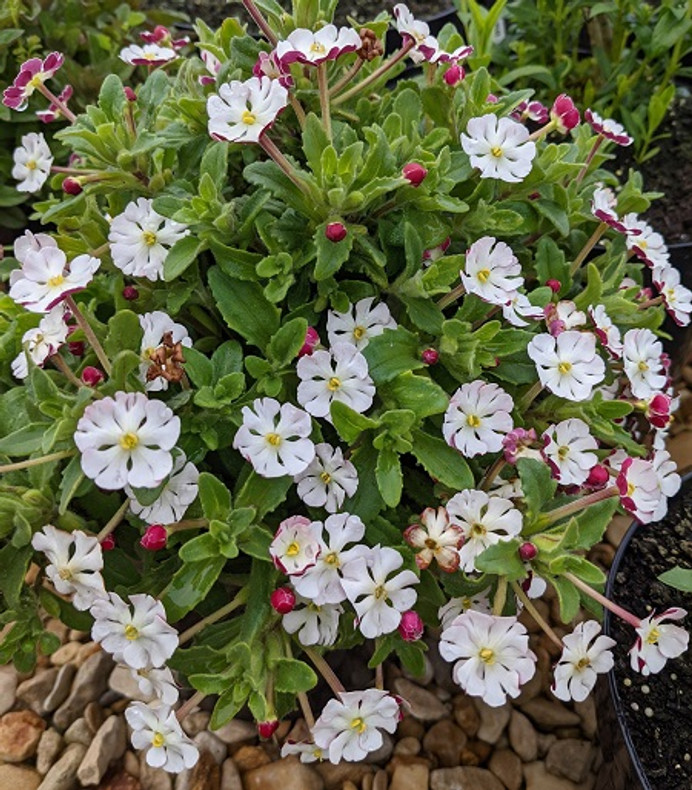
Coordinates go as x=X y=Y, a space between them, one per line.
x=628 y=617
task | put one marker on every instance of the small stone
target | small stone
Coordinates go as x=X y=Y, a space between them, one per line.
x=424 y=705
x=33 y=692
x=348 y=785
x=382 y=754
x=122 y=681
x=522 y=737
x=380 y=781
x=196 y=722
x=210 y=743
x=154 y=778
x=131 y=763
x=410 y=777
x=85 y=651
x=446 y=741
x=286 y=774
x=230 y=778
x=79 y=732
x=464 y=778
x=507 y=767
x=248 y=758
x=108 y=744
x=410 y=727
x=493 y=720
x=570 y=758
x=61 y=688
x=586 y=711
x=63 y=775
x=8 y=688
x=89 y=683
x=94 y=715
x=121 y=781
x=18 y=777
x=78 y=636
x=65 y=654
x=549 y=714
x=49 y=747
x=466 y=715
x=335 y=775
x=538 y=778
x=204 y=775
x=20 y=732
x=234 y=732
x=407 y=746
x=545 y=741
x=481 y=749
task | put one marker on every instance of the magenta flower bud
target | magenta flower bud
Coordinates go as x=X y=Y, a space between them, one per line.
x=108 y=543
x=130 y=95
x=414 y=173
x=130 y=293
x=598 y=476
x=454 y=75
x=71 y=186
x=527 y=552
x=430 y=356
x=283 y=599
x=311 y=340
x=91 y=376
x=554 y=285
x=267 y=728
x=491 y=98
x=154 y=538
x=564 y=113
x=411 y=626
x=76 y=348
x=658 y=410
x=335 y=231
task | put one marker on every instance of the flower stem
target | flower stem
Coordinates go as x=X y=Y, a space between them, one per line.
x=589 y=158
x=325 y=670
x=452 y=296
x=260 y=21
x=628 y=617
x=239 y=600
x=273 y=151
x=383 y=68
x=297 y=109
x=44 y=459
x=553 y=516
x=531 y=609
x=187 y=706
x=500 y=596
x=543 y=131
x=67 y=371
x=348 y=76
x=379 y=677
x=324 y=98
x=650 y=303
x=586 y=249
x=189 y=523
x=89 y=333
x=530 y=396
x=492 y=473
x=64 y=109
x=114 y=520
x=304 y=703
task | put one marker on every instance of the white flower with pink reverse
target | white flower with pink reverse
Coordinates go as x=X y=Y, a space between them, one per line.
x=416 y=31
x=436 y=539
x=154 y=326
x=491 y=271
x=296 y=545
x=608 y=128
x=677 y=298
x=212 y=65
x=360 y=323
x=378 y=597
x=32 y=162
x=484 y=520
x=54 y=112
x=27 y=243
x=566 y=449
x=518 y=309
x=606 y=331
x=156 y=684
x=147 y=55
x=315 y=624
x=328 y=480
x=562 y=316
x=499 y=147
x=477 y=418
x=243 y=111
x=585 y=656
x=42 y=342
x=603 y=207
x=269 y=65
x=492 y=656
x=668 y=480
x=646 y=244
x=32 y=74
x=657 y=642
x=306 y=750
x=177 y=494
x=568 y=365
x=640 y=489
x=478 y=602
x=641 y=357
x=328 y=43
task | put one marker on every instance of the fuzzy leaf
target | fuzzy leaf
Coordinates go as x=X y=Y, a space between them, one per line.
x=441 y=461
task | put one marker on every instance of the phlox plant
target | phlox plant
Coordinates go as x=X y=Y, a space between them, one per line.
x=306 y=360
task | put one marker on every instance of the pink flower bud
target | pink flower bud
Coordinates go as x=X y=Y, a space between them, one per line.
x=454 y=75
x=565 y=113
x=71 y=186
x=335 y=231
x=267 y=728
x=108 y=543
x=76 y=348
x=430 y=356
x=527 y=552
x=491 y=98
x=658 y=410
x=554 y=285
x=414 y=173
x=130 y=95
x=311 y=340
x=91 y=376
x=283 y=599
x=130 y=293
x=154 y=538
x=411 y=626
x=598 y=476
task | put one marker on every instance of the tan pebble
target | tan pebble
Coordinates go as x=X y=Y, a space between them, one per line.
x=33 y=692
x=19 y=777
x=522 y=737
x=236 y=732
x=131 y=763
x=196 y=722
x=283 y=729
x=407 y=746
x=493 y=720
x=49 y=747
x=446 y=741
x=121 y=781
x=570 y=758
x=204 y=775
x=299 y=731
x=466 y=715
x=366 y=784
x=481 y=749
x=61 y=688
x=58 y=628
x=78 y=636
x=64 y=772
x=463 y=778
x=538 y=778
x=107 y=746
x=381 y=781
x=8 y=688
x=20 y=732
x=79 y=732
x=334 y=776
x=94 y=715
x=410 y=777
x=348 y=785
x=550 y=715
x=423 y=704
x=86 y=650
x=247 y=758
x=230 y=778
x=286 y=774
x=507 y=767
x=545 y=741
x=468 y=757
x=410 y=727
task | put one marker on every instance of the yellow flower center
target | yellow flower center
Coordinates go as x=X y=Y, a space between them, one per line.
x=292 y=549
x=630 y=489
x=483 y=275
x=496 y=151
x=326 y=478
x=641 y=243
x=466 y=602
x=333 y=384
x=380 y=592
x=563 y=452
x=478 y=530
x=129 y=440
x=473 y=421
x=564 y=367
x=31 y=164
x=36 y=81
x=149 y=238
x=487 y=655
x=358 y=724
x=430 y=543
x=652 y=638
x=583 y=663
x=56 y=281
x=317 y=48
x=248 y=118
x=274 y=439
x=332 y=558
x=643 y=367
x=131 y=632
x=158 y=740
x=359 y=332
x=65 y=574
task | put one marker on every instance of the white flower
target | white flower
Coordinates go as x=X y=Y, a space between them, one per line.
x=328 y=480
x=127 y=440
x=436 y=538
x=677 y=297
x=585 y=655
x=378 y=600
x=646 y=244
x=492 y=271
x=668 y=480
x=296 y=545
x=178 y=493
x=479 y=602
x=563 y=316
x=606 y=331
x=140 y=239
x=518 y=308
x=31 y=242
x=566 y=449
x=158 y=731
x=75 y=562
x=274 y=438
x=484 y=520
x=243 y=111
x=349 y=727
x=141 y=637
x=308 y=752
x=154 y=326
x=608 y=128
x=416 y=31
x=641 y=357
x=477 y=418
x=32 y=162
x=567 y=365
x=304 y=46
x=321 y=583
x=640 y=489
x=41 y=342
x=603 y=205
x=147 y=55
x=316 y=624
x=657 y=642
x=340 y=374
x=499 y=147
x=157 y=684
x=46 y=278
x=360 y=323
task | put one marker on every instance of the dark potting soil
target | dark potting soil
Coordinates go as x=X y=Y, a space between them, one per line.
x=657 y=708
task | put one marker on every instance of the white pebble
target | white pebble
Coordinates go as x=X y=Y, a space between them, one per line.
x=634 y=707
x=645 y=689
x=648 y=712
x=627 y=682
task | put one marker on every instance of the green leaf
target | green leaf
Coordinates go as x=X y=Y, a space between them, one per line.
x=568 y=597
x=680 y=578
x=214 y=497
x=331 y=255
x=393 y=352
x=264 y=494
x=198 y=368
x=202 y=547
x=24 y=441
x=587 y=529
x=503 y=559
x=72 y=477
x=537 y=485
x=191 y=585
x=418 y=393
x=180 y=256
x=292 y=676
x=389 y=477
x=258 y=611
x=112 y=99
x=124 y=333
x=227 y=706
x=287 y=342
x=412 y=656
x=441 y=461
x=349 y=424
x=593 y=291
x=14 y=563
x=550 y=262
x=215 y=165
x=315 y=140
